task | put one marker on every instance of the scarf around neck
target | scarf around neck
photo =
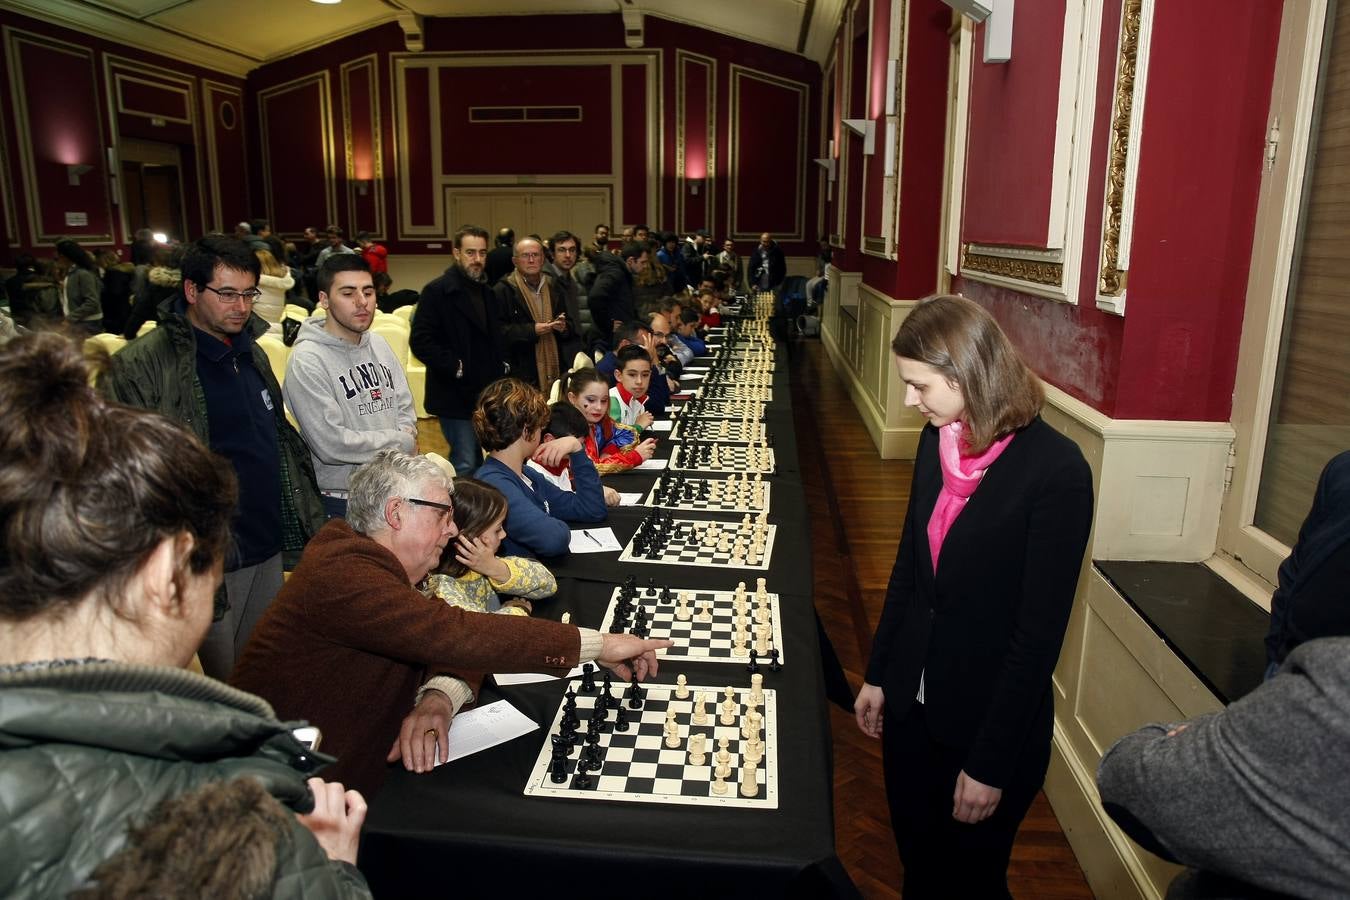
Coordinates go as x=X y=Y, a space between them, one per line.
x=961 y=475
x=541 y=309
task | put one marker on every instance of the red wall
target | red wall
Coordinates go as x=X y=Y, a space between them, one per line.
x=513 y=151
x=58 y=67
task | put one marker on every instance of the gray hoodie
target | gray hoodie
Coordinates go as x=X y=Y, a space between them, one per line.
x=350 y=400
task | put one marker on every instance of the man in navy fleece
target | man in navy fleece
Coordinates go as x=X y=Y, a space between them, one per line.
x=509 y=421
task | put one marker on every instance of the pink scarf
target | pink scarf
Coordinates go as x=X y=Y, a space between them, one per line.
x=961 y=475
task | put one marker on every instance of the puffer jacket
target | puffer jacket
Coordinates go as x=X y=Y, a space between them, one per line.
x=272 y=303
x=88 y=748
x=159 y=372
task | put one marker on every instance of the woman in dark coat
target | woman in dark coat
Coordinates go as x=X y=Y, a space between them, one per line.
x=977 y=605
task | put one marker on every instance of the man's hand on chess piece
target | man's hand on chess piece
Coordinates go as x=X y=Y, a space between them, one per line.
x=628 y=655
x=646 y=448
x=552 y=453
x=422 y=730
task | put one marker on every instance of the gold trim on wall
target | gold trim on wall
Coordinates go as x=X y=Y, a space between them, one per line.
x=1033 y=270
x=684 y=58
x=13 y=37
x=209 y=90
x=1111 y=279
x=320 y=79
x=371 y=62
x=184 y=88
x=7 y=205
x=803 y=92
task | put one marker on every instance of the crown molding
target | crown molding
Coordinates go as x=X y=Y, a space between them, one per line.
x=133 y=32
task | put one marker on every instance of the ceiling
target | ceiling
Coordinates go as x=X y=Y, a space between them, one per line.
x=238 y=35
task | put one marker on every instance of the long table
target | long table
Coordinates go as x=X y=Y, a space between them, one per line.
x=467 y=829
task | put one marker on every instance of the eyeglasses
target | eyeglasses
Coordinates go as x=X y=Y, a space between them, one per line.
x=443 y=507
x=231 y=296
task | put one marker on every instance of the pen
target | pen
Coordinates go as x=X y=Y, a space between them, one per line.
x=592 y=537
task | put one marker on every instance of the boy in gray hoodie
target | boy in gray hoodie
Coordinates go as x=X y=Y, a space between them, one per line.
x=344 y=385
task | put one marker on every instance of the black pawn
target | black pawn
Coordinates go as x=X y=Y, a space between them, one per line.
x=635 y=694
x=607 y=683
x=753 y=666
x=621 y=718
x=582 y=781
x=588 y=679
x=665 y=594
x=774 y=664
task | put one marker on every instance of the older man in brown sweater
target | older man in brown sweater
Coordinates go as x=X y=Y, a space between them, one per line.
x=349 y=640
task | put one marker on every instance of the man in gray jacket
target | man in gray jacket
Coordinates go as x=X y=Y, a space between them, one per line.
x=1256 y=793
x=344 y=385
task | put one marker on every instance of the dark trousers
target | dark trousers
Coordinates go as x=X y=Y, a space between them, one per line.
x=944 y=858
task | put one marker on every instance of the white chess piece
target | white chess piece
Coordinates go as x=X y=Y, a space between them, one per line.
x=681 y=687
x=682 y=610
x=672 y=730
x=697 y=757
x=705 y=614
x=762 y=639
x=719 y=785
x=749 y=784
x=757 y=688
x=700 y=716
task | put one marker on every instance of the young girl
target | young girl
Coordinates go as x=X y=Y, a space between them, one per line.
x=611 y=446
x=471 y=574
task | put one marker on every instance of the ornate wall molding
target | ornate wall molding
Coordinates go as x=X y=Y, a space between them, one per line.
x=738 y=74
x=683 y=60
x=320 y=81
x=234 y=96
x=370 y=63
x=1122 y=169
x=1039 y=267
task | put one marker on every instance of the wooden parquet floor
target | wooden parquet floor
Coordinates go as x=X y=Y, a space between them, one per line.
x=857 y=504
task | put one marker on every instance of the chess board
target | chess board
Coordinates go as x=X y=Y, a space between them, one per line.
x=696 y=495
x=682 y=546
x=690 y=457
x=720 y=430
x=734 y=392
x=700 y=640
x=638 y=767
x=726 y=409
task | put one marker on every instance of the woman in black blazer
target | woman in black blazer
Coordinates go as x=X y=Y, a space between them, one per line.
x=993 y=542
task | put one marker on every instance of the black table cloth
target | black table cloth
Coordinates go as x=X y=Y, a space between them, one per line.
x=468 y=830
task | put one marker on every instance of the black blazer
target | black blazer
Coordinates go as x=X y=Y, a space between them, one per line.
x=986 y=631
x=458 y=341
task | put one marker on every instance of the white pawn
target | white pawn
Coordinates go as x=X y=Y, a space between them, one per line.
x=672 y=730
x=719 y=785
x=723 y=758
x=728 y=716
x=705 y=614
x=681 y=688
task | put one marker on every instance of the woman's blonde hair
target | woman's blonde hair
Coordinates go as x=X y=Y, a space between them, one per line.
x=269 y=263
x=962 y=341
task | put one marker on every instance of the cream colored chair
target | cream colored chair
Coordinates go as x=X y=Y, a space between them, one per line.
x=146 y=328
x=109 y=342
x=295 y=311
x=405 y=313
x=582 y=361
x=396 y=335
x=278 y=355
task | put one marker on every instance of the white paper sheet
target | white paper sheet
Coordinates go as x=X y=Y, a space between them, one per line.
x=594 y=540
x=630 y=499
x=530 y=677
x=650 y=465
x=661 y=425
x=484 y=727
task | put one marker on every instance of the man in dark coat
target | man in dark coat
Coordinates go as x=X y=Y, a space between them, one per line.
x=535 y=321
x=768 y=266
x=455 y=334
x=499 y=264
x=611 y=296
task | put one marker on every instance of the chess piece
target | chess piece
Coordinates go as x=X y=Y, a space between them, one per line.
x=762 y=639
x=682 y=610
x=672 y=730
x=774 y=665
x=700 y=716
x=681 y=687
x=566 y=618
x=620 y=717
x=697 y=757
x=728 y=716
x=753 y=666
x=705 y=613
x=588 y=679
x=749 y=784
x=719 y=785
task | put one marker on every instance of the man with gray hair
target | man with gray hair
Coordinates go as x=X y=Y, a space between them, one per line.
x=352 y=646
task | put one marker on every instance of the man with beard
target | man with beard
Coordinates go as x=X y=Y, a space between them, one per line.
x=344 y=385
x=536 y=323
x=566 y=254
x=455 y=334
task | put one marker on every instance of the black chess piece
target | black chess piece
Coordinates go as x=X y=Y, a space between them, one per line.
x=635 y=694
x=753 y=666
x=588 y=679
x=621 y=718
x=582 y=781
x=665 y=594
x=774 y=664
x=557 y=770
x=607 y=682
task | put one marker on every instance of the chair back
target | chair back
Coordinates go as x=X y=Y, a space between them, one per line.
x=295 y=311
x=406 y=313
x=148 y=326
x=396 y=333
x=278 y=355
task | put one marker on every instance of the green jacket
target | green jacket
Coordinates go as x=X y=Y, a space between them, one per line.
x=159 y=371
x=87 y=748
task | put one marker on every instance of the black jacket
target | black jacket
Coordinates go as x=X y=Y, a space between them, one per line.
x=773 y=259
x=985 y=631
x=611 y=296
x=457 y=343
x=498 y=264
x=518 y=334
